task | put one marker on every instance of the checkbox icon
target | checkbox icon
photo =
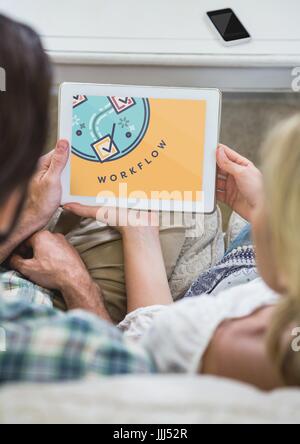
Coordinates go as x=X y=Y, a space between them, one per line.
x=78 y=100
x=121 y=104
x=105 y=148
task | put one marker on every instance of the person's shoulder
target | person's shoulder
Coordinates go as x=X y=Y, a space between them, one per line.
x=244 y=296
x=255 y=287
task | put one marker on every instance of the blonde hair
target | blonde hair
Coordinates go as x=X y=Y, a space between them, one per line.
x=281 y=169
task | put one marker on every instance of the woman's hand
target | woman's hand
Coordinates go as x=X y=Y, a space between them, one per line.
x=239 y=182
x=123 y=220
x=44 y=194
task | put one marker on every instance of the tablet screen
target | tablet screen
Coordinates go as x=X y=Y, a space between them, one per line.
x=147 y=147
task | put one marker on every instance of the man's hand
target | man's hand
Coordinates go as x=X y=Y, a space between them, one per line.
x=44 y=198
x=239 y=182
x=56 y=265
x=44 y=194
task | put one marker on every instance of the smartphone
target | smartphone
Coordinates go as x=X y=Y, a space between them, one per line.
x=229 y=28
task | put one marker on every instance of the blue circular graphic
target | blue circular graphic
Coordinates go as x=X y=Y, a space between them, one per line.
x=108 y=128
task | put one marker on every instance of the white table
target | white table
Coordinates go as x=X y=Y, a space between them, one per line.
x=165 y=42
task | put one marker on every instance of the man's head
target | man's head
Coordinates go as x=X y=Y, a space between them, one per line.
x=24 y=108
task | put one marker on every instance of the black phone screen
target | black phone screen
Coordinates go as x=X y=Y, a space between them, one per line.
x=228 y=24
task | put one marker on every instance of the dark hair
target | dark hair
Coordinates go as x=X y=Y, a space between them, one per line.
x=24 y=106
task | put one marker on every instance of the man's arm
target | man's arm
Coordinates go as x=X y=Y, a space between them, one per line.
x=85 y=295
x=44 y=197
x=21 y=233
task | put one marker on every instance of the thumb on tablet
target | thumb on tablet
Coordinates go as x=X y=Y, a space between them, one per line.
x=59 y=157
x=227 y=164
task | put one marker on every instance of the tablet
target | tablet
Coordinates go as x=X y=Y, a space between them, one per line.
x=148 y=148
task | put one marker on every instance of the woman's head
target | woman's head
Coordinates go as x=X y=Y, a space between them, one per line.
x=276 y=218
x=277 y=238
x=24 y=110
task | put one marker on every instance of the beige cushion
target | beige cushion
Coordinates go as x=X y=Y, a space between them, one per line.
x=147 y=400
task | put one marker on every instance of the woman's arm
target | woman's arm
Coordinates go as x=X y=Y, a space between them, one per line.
x=145 y=272
x=146 y=277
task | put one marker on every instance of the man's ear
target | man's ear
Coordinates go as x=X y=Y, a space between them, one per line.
x=8 y=210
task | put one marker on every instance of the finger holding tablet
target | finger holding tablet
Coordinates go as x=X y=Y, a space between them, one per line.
x=239 y=183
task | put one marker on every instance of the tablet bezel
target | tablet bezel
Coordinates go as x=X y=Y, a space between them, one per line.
x=213 y=99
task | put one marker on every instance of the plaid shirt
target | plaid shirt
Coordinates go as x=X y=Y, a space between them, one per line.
x=45 y=345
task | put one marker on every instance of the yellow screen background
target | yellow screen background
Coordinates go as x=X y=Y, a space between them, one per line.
x=181 y=125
